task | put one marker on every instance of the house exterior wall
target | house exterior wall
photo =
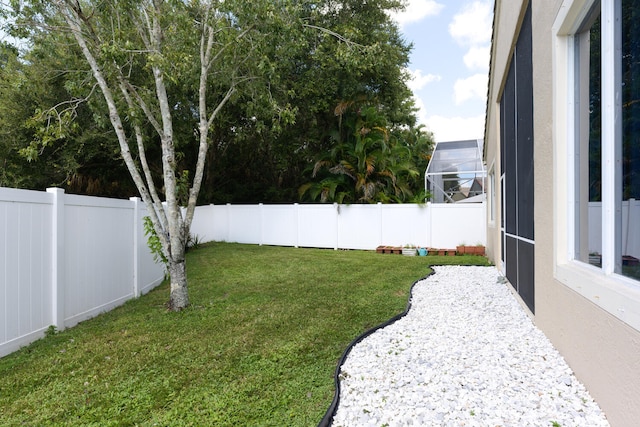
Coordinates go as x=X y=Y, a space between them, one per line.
x=600 y=345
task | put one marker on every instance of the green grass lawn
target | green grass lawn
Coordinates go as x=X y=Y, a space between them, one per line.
x=258 y=346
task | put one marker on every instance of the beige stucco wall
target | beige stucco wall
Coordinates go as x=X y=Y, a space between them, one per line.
x=603 y=351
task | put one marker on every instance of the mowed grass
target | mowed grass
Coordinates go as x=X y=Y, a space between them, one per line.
x=258 y=346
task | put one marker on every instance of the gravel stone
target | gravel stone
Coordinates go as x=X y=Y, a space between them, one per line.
x=466 y=354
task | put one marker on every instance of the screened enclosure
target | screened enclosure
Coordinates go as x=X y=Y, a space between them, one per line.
x=456 y=173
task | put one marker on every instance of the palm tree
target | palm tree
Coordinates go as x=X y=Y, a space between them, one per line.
x=367 y=164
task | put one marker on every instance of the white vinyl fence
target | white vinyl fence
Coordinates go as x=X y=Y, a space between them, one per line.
x=343 y=226
x=66 y=258
x=630 y=227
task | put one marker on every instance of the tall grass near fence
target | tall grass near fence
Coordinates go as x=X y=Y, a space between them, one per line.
x=258 y=346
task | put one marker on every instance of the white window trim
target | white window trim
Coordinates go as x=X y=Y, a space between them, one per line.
x=618 y=295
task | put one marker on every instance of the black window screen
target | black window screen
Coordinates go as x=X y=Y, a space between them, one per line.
x=509 y=138
x=524 y=138
x=517 y=156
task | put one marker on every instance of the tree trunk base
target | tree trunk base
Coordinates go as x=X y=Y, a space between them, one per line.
x=179 y=296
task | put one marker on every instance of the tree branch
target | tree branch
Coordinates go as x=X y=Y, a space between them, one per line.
x=70 y=17
x=141 y=103
x=334 y=34
x=143 y=160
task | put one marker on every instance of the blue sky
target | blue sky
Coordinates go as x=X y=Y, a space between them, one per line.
x=449 y=63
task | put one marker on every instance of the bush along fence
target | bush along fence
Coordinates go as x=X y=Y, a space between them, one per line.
x=344 y=226
x=66 y=258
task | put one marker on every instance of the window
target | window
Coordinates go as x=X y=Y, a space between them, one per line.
x=608 y=138
x=597 y=140
x=628 y=243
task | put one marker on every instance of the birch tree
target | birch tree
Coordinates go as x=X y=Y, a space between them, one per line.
x=135 y=50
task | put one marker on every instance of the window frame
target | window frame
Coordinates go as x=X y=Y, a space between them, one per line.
x=615 y=293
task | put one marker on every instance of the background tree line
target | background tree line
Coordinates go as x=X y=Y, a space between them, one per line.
x=331 y=119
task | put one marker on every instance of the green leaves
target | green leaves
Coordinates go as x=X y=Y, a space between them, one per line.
x=289 y=62
x=153 y=241
x=371 y=163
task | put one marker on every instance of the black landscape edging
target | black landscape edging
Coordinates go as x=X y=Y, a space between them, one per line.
x=331 y=411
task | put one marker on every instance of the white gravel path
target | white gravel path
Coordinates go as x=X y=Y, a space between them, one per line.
x=466 y=354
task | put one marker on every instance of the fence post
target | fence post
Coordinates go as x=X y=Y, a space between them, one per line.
x=296 y=221
x=261 y=213
x=429 y=225
x=57 y=255
x=212 y=222
x=228 y=239
x=380 y=232
x=337 y=215
x=632 y=229
x=136 y=253
x=484 y=222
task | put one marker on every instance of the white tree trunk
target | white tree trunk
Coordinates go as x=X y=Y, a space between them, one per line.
x=169 y=224
x=173 y=237
x=179 y=295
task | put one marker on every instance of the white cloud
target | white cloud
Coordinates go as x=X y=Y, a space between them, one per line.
x=416 y=11
x=471 y=87
x=472 y=26
x=418 y=80
x=477 y=58
x=421 y=114
x=456 y=128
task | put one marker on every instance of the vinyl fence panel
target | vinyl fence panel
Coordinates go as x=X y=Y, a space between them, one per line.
x=206 y=224
x=405 y=224
x=359 y=226
x=318 y=226
x=244 y=224
x=25 y=263
x=98 y=255
x=630 y=229
x=453 y=224
x=66 y=258
x=279 y=225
